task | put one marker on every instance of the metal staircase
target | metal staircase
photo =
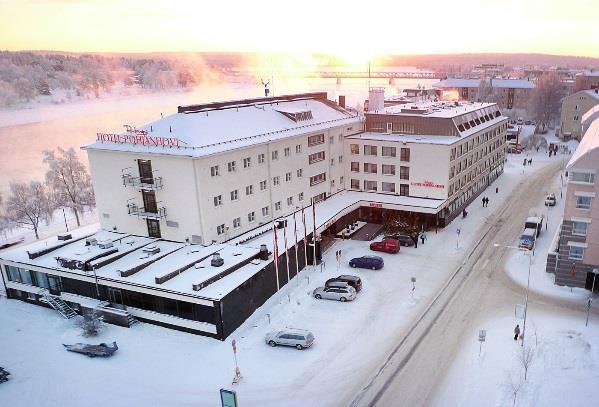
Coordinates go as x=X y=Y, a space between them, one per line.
x=57 y=303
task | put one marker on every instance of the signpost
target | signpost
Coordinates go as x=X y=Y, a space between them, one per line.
x=228 y=398
x=519 y=311
x=482 y=334
x=457 y=243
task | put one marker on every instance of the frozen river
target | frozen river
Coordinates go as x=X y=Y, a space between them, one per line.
x=25 y=133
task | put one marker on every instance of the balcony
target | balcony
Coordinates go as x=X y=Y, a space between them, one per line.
x=141 y=212
x=142 y=183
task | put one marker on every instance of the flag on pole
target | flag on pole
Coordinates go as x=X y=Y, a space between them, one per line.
x=276 y=253
x=314 y=231
x=305 y=238
x=295 y=244
x=286 y=252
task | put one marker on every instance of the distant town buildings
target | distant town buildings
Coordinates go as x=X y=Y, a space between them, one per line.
x=586 y=80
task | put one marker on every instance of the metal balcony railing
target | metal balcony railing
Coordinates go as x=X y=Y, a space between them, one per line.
x=141 y=212
x=142 y=183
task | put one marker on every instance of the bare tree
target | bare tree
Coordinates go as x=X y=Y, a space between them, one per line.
x=91 y=322
x=68 y=181
x=485 y=92
x=28 y=205
x=513 y=385
x=545 y=102
x=526 y=358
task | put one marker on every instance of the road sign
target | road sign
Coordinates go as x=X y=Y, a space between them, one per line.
x=458 y=231
x=482 y=334
x=519 y=311
x=228 y=398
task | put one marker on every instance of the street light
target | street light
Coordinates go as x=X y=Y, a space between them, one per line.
x=527 y=282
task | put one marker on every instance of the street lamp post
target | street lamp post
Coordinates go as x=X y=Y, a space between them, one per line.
x=530 y=253
x=590 y=300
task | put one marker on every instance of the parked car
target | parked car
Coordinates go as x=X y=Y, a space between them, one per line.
x=550 y=200
x=386 y=245
x=352 y=281
x=367 y=262
x=520 y=121
x=342 y=294
x=528 y=122
x=298 y=338
x=403 y=238
x=527 y=240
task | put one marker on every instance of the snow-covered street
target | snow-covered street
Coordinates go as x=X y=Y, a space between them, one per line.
x=156 y=366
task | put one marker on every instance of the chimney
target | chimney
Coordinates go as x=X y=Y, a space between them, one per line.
x=342 y=101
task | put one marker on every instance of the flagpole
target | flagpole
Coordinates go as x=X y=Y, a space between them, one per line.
x=305 y=238
x=314 y=233
x=276 y=254
x=295 y=245
x=286 y=252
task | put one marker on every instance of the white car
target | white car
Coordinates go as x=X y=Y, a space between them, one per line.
x=550 y=200
x=335 y=293
x=298 y=338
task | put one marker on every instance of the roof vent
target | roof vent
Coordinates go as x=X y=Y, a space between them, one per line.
x=105 y=244
x=64 y=236
x=151 y=249
x=91 y=241
x=216 y=261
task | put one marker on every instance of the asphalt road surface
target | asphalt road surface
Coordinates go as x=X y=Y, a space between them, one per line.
x=479 y=289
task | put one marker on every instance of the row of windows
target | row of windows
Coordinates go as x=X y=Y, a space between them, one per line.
x=474 y=142
x=583 y=202
x=404 y=189
x=387 y=169
x=585 y=177
x=386 y=151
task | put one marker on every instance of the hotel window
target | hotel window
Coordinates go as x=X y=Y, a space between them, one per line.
x=316 y=157
x=404 y=190
x=370 y=168
x=236 y=223
x=583 y=202
x=300 y=173
x=405 y=154
x=388 y=151
x=370 y=150
x=317 y=179
x=354 y=166
x=276 y=180
x=265 y=211
x=370 y=185
x=331 y=140
x=214 y=171
x=585 y=177
x=340 y=159
x=315 y=140
x=287 y=151
x=319 y=197
x=218 y=200
x=251 y=216
x=332 y=183
x=300 y=196
x=576 y=253
x=260 y=158
x=355 y=184
x=278 y=206
x=249 y=190
x=231 y=166
x=579 y=228
x=298 y=148
x=220 y=229
x=354 y=149
x=290 y=201
x=388 y=169
x=275 y=155
x=247 y=162
x=388 y=186
x=332 y=162
x=234 y=195
x=404 y=172
x=262 y=185
x=288 y=177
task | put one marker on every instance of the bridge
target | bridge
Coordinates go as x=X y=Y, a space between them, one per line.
x=376 y=74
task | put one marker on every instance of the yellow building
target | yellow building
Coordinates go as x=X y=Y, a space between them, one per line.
x=573 y=108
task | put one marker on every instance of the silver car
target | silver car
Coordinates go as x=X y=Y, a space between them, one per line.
x=335 y=293
x=298 y=338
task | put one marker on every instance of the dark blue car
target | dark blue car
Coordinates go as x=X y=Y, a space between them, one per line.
x=367 y=262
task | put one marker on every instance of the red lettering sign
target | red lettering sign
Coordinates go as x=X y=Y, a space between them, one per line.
x=427 y=184
x=138 y=137
x=376 y=205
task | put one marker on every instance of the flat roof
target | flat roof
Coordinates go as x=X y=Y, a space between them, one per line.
x=441 y=109
x=406 y=138
x=475 y=83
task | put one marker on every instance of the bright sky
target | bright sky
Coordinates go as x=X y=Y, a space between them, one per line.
x=352 y=29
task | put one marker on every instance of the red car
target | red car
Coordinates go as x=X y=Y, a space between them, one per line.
x=387 y=246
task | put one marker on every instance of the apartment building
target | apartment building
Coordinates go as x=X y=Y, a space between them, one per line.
x=573 y=109
x=509 y=93
x=574 y=257
x=586 y=80
x=214 y=171
x=431 y=150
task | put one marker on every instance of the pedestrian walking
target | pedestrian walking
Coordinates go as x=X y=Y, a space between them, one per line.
x=415 y=240
x=516 y=332
x=530 y=162
x=423 y=237
x=487 y=201
x=496 y=190
x=483 y=201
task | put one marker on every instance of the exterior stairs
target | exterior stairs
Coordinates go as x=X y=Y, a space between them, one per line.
x=57 y=303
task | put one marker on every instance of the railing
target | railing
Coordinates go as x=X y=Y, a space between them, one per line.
x=139 y=182
x=140 y=211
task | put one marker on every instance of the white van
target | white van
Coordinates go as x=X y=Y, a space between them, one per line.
x=527 y=239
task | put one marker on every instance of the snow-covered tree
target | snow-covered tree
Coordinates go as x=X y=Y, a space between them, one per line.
x=68 y=181
x=28 y=205
x=91 y=322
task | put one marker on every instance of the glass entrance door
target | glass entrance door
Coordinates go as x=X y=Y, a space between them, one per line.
x=54 y=285
x=115 y=297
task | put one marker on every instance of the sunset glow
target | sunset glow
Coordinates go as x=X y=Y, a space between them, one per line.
x=354 y=31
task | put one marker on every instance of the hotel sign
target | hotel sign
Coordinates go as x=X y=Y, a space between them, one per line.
x=427 y=184
x=136 y=136
x=376 y=205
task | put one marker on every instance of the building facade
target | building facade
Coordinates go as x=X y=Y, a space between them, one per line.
x=586 y=80
x=573 y=109
x=574 y=258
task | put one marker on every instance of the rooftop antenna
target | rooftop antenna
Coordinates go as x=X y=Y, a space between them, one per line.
x=368 y=74
x=266 y=90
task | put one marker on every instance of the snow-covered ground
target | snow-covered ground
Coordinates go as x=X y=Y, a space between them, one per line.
x=156 y=366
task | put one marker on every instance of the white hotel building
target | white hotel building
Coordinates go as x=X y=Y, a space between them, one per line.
x=186 y=203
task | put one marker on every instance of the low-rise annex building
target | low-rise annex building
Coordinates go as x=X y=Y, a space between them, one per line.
x=574 y=254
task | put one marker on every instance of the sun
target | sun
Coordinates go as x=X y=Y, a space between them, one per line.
x=355 y=59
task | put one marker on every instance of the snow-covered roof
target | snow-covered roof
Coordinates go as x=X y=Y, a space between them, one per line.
x=591 y=115
x=593 y=72
x=589 y=142
x=207 y=131
x=495 y=82
x=406 y=138
x=434 y=109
